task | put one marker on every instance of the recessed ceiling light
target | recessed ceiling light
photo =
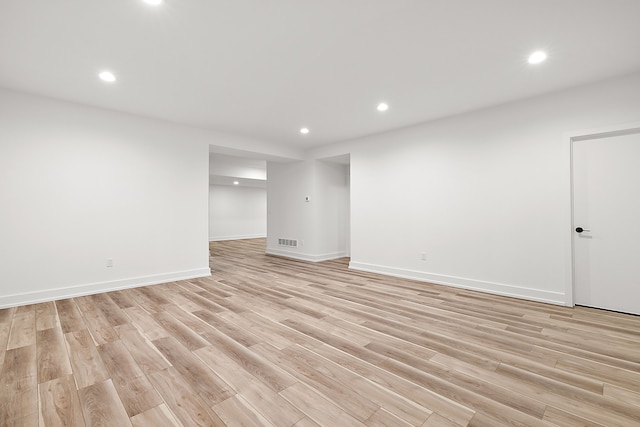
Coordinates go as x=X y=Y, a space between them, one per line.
x=537 y=57
x=153 y=2
x=107 y=76
x=304 y=131
x=382 y=107
x=236 y=183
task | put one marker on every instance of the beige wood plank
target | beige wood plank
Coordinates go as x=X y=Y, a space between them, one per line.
x=437 y=420
x=306 y=422
x=562 y=418
x=197 y=374
x=121 y=299
x=6 y=315
x=145 y=324
x=135 y=391
x=18 y=387
x=382 y=418
x=101 y=330
x=329 y=380
x=53 y=360
x=5 y=329
x=59 y=403
x=69 y=315
x=146 y=355
x=158 y=416
x=23 y=330
x=269 y=403
x=86 y=363
x=317 y=407
x=111 y=311
x=186 y=405
x=236 y=412
x=621 y=394
x=46 y=316
x=182 y=333
x=274 y=377
x=101 y=405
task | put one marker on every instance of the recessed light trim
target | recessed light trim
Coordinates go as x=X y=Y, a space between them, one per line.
x=107 y=76
x=153 y=2
x=382 y=107
x=236 y=183
x=304 y=131
x=537 y=57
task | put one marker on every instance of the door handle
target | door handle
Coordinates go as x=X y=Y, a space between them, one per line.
x=580 y=230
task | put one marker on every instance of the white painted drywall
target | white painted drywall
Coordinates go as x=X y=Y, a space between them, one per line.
x=81 y=185
x=237 y=212
x=321 y=224
x=237 y=167
x=485 y=195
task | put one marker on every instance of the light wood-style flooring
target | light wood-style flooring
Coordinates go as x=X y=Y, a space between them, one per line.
x=271 y=341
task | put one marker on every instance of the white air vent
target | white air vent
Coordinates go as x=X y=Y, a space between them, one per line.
x=288 y=242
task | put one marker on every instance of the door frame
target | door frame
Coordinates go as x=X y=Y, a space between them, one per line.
x=571 y=138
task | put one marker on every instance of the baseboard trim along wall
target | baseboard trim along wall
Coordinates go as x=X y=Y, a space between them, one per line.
x=530 y=294
x=95 y=288
x=241 y=237
x=305 y=257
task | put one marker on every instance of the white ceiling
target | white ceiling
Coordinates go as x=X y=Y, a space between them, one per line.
x=265 y=68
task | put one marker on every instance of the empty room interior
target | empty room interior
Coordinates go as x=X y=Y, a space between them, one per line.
x=332 y=213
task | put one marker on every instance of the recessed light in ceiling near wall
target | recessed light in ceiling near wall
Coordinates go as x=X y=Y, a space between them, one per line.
x=236 y=183
x=153 y=2
x=537 y=57
x=107 y=76
x=304 y=131
x=382 y=107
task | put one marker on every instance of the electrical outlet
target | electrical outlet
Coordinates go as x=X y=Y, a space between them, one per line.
x=423 y=256
x=109 y=262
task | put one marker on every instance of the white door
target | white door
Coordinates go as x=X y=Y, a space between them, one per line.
x=606 y=205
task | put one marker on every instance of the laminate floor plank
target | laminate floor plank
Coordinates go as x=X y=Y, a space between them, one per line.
x=159 y=416
x=52 y=358
x=19 y=387
x=261 y=397
x=46 y=316
x=59 y=403
x=236 y=412
x=197 y=374
x=23 y=330
x=273 y=341
x=86 y=362
x=133 y=387
x=146 y=355
x=97 y=324
x=102 y=406
x=187 y=406
x=317 y=407
x=69 y=315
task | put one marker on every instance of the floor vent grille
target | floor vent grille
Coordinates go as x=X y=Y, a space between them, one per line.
x=288 y=242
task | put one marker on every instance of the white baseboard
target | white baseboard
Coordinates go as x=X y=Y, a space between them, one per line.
x=239 y=237
x=531 y=294
x=305 y=257
x=95 y=288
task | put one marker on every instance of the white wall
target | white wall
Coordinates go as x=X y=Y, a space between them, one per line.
x=237 y=212
x=485 y=195
x=79 y=185
x=320 y=225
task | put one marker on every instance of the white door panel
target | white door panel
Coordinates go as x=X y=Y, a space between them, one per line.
x=606 y=194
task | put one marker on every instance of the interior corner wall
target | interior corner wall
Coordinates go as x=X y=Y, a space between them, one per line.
x=485 y=196
x=320 y=224
x=81 y=185
x=237 y=212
